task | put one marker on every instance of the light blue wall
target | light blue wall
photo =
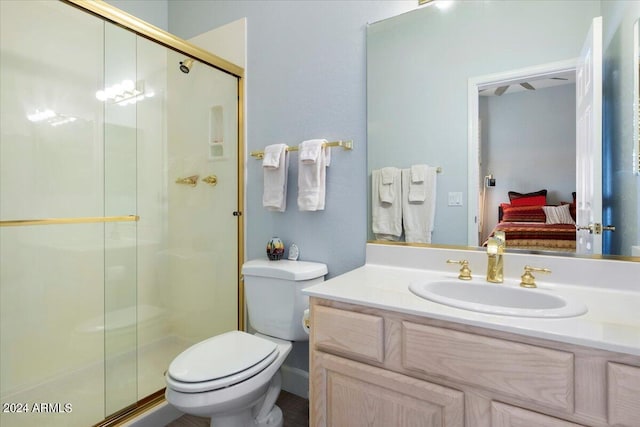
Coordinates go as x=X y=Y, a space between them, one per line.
x=306 y=74
x=621 y=192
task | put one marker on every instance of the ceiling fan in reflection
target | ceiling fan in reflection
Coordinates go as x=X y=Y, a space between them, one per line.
x=502 y=89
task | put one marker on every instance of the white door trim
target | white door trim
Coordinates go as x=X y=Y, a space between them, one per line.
x=473 y=137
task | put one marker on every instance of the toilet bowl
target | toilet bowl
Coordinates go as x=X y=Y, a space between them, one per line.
x=234 y=378
x=235 y=391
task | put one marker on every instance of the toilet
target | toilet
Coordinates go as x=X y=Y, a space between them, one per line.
x=234 y=378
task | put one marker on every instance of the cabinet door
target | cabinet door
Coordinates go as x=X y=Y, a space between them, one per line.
x=624 y=395
x=510 y=416
x=348 y=393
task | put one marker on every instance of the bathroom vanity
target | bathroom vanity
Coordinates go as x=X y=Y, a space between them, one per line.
x=381 y=355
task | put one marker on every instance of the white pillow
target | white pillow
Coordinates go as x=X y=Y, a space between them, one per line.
x=558 y=214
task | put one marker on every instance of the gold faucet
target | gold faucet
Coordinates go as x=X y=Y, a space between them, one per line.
x=528 y=281
x=465 y=271
x=495 y=250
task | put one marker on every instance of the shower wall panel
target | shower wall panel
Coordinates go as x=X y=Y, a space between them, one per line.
x=202 y=228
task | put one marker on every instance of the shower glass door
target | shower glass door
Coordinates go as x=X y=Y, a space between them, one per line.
x=134 y=165
x=52 y=165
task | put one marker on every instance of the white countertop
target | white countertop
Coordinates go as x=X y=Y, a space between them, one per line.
x=611 y=323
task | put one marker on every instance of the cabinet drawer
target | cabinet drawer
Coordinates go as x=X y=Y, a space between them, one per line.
x=623 y=394
x=522 y=371
x=361 y=395
x=348 y=333
x=510 y=416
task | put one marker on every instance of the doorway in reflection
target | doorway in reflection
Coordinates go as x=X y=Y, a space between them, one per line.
x=527 y=144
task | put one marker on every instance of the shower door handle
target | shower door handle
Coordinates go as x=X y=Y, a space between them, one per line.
x=76 y=220
x=190 y=180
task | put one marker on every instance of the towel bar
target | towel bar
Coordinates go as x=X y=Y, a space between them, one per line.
x=346 y=145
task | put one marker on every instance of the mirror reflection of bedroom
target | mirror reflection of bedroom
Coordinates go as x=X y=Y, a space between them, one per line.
x=528 y=162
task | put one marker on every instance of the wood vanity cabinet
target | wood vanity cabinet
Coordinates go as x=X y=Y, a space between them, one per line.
x=372 y=367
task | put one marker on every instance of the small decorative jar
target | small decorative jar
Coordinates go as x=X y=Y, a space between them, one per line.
x=275 y=249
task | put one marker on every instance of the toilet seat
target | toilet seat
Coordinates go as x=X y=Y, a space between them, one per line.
x=220 y=361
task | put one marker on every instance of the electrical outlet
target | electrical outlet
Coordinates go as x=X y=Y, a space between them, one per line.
x=455 y=198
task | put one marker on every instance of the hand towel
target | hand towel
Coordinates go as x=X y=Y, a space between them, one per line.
x=418 y=217
x=313 y=160
x=418 y=173
x=274 y=196
x=272 y=154
x=417 y=187
x=386 y=188
x=386 y=218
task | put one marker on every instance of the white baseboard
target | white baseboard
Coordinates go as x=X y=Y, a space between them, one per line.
x=160 y=415
x=295 y=380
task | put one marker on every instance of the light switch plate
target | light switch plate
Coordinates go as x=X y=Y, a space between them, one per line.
x=455 y=198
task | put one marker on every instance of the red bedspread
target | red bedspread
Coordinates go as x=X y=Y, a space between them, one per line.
x=538 y=236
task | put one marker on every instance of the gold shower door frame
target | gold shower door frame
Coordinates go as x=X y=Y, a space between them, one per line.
x=157 y=35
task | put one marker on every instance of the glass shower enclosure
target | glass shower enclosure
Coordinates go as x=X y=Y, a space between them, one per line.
x=118 y=187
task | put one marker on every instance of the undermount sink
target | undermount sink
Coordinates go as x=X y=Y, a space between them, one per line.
x=498 y=299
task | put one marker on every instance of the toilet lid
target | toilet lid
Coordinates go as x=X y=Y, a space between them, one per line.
x=222 y=356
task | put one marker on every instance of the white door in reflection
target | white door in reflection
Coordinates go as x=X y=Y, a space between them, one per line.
x=589 y=143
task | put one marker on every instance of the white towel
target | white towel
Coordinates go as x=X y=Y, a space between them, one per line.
x=275 y=166
x=418 y=173
x=417 y=187
x=386 y=188
x=386 y=218
x=313 y=161
x=309 y=151
x=418 y=217
x=272 y=155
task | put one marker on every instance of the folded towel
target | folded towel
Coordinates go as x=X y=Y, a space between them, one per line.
x=309 y=151
x=388 y=174
x=417 y=184
x=386 y=218
x=418 y=173
x=386 y=188
x=313 y=160
x=272 y=155
x=418 y=217
x=274 y=196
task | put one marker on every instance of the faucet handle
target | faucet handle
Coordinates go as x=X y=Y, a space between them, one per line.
x=465 y=271
x=528 y=281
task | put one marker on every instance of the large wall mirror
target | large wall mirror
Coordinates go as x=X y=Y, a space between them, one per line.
x=491 y=94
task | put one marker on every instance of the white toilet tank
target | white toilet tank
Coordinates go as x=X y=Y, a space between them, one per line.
x=274 y=299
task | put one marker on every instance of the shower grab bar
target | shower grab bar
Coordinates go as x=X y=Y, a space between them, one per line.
x=81 y=220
